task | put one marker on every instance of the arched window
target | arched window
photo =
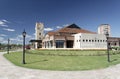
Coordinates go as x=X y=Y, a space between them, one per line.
x=83 y=40
x=39 y=33
x=109 y=44
x=98 y=40
x=95 y=40
x=103 y=40
x=89 y=40
x=115 y=44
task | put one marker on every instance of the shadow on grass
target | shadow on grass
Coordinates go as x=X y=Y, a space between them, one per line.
x=37 y=61
x=113 y=60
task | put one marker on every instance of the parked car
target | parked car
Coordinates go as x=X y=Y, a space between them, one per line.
x=27 y=46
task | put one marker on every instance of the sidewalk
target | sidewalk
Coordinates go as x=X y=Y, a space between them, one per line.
x=10 y=71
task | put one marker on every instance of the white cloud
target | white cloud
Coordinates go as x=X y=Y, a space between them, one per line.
x=2 y=40
x=5 y=41
x=48 y=29
x=3 y=35
x=13 y=39
x=19 y=39
x=16 y=40
x=34 y=34
x=3 y=23
x=20 y=36
x=58 y=27
x=10 y=30
x=28 y=36
x=66 y=25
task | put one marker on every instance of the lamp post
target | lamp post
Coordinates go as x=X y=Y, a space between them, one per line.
x=24 y=35
x=8 y=46
x=108 y=54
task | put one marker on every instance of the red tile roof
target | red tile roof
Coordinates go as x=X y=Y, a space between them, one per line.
x=51 y=33
x=72 y=29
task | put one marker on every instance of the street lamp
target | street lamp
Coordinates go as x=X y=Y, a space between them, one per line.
x=24 y=35
x=108 y=54
x=8 y=46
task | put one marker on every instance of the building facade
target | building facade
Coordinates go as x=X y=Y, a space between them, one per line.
x=39 y=34
x=89 y=41
x=61 y=38
x=74 y=37
x=114 y=41
x=104 y=28
x=39 y=31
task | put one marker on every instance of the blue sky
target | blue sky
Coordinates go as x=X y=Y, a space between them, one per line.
x=16 y=15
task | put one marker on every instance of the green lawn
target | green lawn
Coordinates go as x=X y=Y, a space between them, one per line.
x=63 y=60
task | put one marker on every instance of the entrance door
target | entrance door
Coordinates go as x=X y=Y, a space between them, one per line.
x=70 y=43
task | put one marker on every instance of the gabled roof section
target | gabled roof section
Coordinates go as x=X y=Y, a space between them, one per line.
x=73 y=26
x=71 y=29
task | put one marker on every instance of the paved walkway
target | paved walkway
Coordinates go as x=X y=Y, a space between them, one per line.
x=10 y=71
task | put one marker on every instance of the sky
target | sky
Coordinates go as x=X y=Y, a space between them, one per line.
x=17 y=15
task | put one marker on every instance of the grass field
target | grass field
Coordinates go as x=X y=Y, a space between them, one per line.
x=63 y=60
